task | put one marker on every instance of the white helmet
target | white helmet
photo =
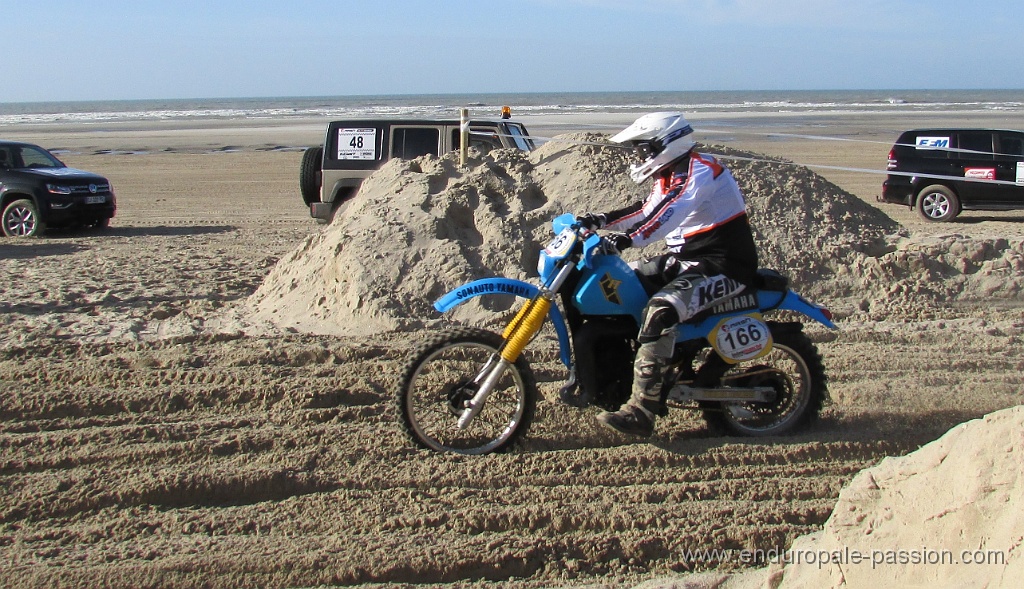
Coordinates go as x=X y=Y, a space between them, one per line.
x=660 y=138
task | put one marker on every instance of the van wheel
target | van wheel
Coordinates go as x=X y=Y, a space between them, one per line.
x=938 y=203
x=310 y=174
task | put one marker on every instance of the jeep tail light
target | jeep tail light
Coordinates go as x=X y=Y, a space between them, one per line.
x=892 y=159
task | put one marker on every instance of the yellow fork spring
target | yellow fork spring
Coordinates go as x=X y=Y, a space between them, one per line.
x=523 y=327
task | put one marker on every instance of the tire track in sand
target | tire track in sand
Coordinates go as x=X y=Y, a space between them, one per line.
x=288 y=447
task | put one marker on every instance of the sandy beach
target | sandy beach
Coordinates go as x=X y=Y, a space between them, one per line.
x=150 y=437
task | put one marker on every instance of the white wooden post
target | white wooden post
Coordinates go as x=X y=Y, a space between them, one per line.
x=463 y=136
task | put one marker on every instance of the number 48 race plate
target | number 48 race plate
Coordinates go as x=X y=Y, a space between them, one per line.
x=357 y=144
x=741 y=337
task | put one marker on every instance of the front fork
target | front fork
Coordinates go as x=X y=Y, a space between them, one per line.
x=519 y=332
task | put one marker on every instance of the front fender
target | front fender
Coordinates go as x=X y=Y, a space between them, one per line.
x=508 y=286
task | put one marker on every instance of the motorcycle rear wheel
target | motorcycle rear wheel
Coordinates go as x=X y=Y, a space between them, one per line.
x=436 y=382
x=794 y=369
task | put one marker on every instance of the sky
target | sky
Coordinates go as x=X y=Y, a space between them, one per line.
x=67 y=50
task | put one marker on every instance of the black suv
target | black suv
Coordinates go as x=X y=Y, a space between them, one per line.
x=38 y=191
x=943 y=171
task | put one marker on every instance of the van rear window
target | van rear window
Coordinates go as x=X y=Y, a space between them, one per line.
x=1011 y=144
x=975 y=146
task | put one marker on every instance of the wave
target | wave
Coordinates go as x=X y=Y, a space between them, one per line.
x=447 y=106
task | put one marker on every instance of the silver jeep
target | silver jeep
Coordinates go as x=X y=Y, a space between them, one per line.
x=331 y=173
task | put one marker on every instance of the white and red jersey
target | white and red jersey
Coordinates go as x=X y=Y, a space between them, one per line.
x=698 y=209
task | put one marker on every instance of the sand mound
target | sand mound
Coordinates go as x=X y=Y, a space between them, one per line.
x=909 y=278
x=948 y=515
x=419 y=228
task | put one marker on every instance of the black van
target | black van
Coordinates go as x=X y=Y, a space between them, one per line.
x=940 y=172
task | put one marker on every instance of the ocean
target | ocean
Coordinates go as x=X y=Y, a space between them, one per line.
x=447 y=105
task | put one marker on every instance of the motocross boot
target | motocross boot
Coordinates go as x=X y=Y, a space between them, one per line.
x=636 y=417
x=630 y=420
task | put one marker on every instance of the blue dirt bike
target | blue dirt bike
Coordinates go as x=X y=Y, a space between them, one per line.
x=471 y=391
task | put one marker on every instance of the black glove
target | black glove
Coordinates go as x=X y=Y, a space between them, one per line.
x=621 y=241
x=591 y=220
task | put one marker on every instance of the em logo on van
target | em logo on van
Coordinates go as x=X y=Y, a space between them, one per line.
x=933 y=142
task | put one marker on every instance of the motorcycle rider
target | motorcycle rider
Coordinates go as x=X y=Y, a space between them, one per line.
x=696 y=206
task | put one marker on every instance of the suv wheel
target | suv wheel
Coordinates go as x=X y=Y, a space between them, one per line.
x=938 y=203
x=309 y=174
x=21 y=219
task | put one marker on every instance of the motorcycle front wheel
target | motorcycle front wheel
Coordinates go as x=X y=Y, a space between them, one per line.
x=441 y=376
x=793 y=368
